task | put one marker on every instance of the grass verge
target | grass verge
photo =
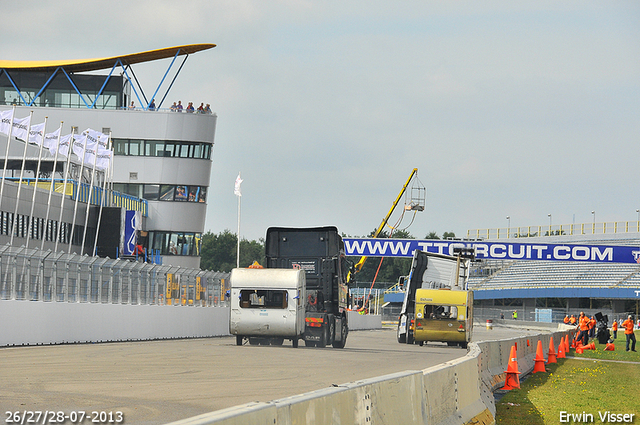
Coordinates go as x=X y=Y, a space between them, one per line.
x=576 y=386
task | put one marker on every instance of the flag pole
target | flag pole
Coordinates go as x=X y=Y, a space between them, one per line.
x=65 y=171
x=86 y=216
x=103 y=195
x=239 y=195
x=6 y=155
x=51 y=188
x=24 y=159
x=79 y=187
x=35 y=185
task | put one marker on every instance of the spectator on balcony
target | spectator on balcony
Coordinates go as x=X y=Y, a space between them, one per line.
x=207 y=109
x=179 y=107
x=201 y=108
x=190 y=109
x=174 y=107
x=152 y=105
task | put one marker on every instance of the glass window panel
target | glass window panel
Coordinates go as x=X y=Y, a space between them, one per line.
x=181 y=193
x=151 y=192
x=202 y=195
x=120 y=147
x=193 y=193
x=166 y=192
x=134 y=147
x=197 y=151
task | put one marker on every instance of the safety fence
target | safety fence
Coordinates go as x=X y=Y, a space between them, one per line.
x=454 y=393
x=35 y=275
x=107 y=197
x=556 y=230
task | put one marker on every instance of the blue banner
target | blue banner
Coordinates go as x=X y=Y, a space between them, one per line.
x=495 y=250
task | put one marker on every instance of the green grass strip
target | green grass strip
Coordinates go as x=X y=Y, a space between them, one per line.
x=588 y=386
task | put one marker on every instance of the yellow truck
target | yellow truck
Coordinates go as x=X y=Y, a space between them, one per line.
x=443 y=315
x=436 y=288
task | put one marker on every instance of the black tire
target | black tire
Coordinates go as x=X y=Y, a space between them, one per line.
x=402 y=337
x=410 y=339
x=277 y=341
x=344 y=331
x=309 y=343
x=464 y=344
x=238 y=339
x=254 y=341
x=294 y=341
x=421 y=343
x=451 y=343
x=323 y=339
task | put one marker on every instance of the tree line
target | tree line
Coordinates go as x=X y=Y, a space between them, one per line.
x=219 y=254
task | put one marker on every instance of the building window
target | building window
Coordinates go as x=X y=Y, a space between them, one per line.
x=162 y=148
x=176 y=243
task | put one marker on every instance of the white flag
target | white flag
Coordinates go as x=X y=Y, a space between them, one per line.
x=104 y=159
x=35 y=133
x=51 y=141
x=79 y=141
x=63 y=148
x=20 y=127
x=6 y=118
x=236 y=191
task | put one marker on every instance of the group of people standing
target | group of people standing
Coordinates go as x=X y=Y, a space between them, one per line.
x=587 y=326
x=202 y=109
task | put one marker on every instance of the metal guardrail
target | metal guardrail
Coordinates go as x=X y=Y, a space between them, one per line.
x=35 y=275
x=556 y=230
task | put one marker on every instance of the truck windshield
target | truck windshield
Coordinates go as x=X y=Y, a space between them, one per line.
x=263 y=298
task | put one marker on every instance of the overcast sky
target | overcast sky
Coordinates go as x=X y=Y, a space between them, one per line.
x=507 y=108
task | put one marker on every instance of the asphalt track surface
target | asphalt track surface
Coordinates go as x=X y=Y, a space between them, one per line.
x=162 y=381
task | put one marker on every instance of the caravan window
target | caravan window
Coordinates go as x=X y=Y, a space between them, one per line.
x=263 y=298
x=439 y=312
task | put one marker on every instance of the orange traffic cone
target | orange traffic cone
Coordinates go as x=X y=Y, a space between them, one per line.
x=539 y=360
x=552 y=352
x=591 y=346
x=610 y=347
x=579 y=349
x=573 y=343
x=567 y=348
x=512 y=380
x=561 y=354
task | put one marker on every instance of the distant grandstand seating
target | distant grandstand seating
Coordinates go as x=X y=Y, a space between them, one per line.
x=525 y=274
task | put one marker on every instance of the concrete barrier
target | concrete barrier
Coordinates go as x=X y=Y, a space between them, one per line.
x=37 y=322
x=359 y=322
x=454 y=393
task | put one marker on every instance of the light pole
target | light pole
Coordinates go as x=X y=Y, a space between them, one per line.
x=594 y=222
x=549 y=215
x=509 y=226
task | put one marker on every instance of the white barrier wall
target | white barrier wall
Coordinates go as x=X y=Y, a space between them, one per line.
x=37 y=322
x=453 y=393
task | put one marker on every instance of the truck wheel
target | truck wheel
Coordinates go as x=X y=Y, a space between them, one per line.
x=410 y=339
x=277 y=341
x=402 y=337
x=254 y=341
x=452 y=343
x=463 y=344
x=238 y=339
x=323 y=339
x=421 y=343
x=310 y=343
x=344 y=330
x=294 y=341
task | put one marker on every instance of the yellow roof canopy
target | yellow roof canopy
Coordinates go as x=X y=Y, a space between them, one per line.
x=85 y=65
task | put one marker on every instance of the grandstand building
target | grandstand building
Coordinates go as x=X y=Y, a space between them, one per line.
x=161 y=165
x=566 y=287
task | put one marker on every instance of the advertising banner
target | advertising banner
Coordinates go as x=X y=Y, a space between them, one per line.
x=495 y=250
